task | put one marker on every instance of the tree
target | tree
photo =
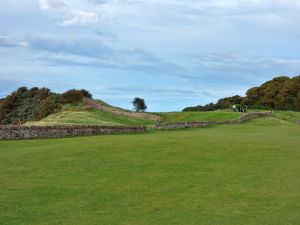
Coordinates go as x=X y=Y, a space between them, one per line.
x=139 y=105
x=225 y=103
x=270 y=92
x=252 y=96
x=280 y=93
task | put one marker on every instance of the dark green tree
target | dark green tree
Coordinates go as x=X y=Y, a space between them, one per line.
x=139 y=105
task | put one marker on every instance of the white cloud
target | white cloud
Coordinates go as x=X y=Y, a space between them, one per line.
x=148 y=12
x=77 y=17
x=70 y=15
x=54 y=5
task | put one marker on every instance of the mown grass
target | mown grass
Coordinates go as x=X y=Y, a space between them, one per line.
x=223 y=175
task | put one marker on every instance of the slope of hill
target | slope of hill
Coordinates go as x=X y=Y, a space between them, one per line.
x=98 y=104
x=96 y=113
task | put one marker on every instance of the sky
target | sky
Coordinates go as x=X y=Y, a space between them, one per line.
x=172 y=53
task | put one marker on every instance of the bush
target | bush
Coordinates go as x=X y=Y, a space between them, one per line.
x=28 y=104
x=49 y=106
x=86 y=94
x=72 y=97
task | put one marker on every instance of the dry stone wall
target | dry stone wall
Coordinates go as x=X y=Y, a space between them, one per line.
x=37 y=132
x=246 y=117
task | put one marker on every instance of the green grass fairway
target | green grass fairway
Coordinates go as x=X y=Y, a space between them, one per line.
x=199 y=116
x=245 y=174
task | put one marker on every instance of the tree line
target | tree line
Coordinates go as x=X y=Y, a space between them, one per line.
x=280 y=93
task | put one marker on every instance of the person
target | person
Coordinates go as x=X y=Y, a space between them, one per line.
x=245 y=108
x=234 y=108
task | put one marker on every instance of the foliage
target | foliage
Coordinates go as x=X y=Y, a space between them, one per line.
x=72 y=97
x=34 y=104
x=86 y=94
x=226 y=103
x=200 y=108
x=280 y=93
x=223 y=103
x=139 y=105
x=28 y=104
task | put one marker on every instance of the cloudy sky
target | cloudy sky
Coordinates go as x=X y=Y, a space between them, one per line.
x=173 y=53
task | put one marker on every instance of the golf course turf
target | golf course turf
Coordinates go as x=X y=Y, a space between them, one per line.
x=246 y=174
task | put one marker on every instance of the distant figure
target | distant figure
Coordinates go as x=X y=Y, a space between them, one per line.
x=234 y=108
x=245 y=108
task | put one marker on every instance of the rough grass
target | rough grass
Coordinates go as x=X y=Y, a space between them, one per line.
x=199 y=116
x=89 y=117
x=289 y=116
x=223 y=175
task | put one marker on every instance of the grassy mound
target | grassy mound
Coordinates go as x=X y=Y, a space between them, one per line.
x=88 y=116
x=225 y=175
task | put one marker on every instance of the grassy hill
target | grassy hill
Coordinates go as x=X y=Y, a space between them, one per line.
x=77 y=115
x=85 y=114
x=230 y=174
x=105 y=114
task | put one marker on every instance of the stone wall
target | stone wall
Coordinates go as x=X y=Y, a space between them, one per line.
x=37 y=132
x=244 y=118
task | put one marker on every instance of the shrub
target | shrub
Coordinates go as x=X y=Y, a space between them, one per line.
x=86 y=94
x=28 y=104
x=72 y=97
